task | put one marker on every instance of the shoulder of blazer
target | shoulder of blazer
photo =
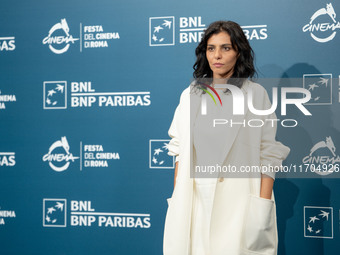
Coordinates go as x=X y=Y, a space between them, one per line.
x=185 y=93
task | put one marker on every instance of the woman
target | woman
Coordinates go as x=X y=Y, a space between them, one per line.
x=212 y=216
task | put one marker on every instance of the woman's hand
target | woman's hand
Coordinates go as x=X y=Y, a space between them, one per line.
x=176 y=168
x=267 y=184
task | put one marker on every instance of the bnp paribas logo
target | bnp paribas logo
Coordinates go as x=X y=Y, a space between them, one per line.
x=55 y=95
x=54 y=212
x=318 y=222
x=320 y=87
x=162 y=31
x=158 y=154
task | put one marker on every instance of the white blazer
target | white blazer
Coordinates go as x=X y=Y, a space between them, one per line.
x=242 y=222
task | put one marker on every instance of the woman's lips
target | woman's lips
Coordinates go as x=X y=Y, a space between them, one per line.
x=218 y=64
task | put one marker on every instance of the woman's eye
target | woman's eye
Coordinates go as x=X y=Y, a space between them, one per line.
x=210 y=48
x=226 y=48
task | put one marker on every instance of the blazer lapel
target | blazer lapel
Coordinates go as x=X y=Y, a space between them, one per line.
x=237 y=122
x=195 y=103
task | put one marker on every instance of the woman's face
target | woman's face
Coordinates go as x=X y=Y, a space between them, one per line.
x=221 y=55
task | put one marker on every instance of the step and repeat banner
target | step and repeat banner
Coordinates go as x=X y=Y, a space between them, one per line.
x=87 y=95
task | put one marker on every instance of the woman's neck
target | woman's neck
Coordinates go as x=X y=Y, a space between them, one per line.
x=219 y=81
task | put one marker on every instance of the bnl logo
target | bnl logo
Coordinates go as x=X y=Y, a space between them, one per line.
x=162 y=31
x=318 y=222
x=320 y=87
x=54 y=212
x=158 y=154
x=55 y=95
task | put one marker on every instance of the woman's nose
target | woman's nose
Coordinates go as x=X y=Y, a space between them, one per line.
x=217 y=53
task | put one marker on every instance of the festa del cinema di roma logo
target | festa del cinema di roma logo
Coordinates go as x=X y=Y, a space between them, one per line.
x=4 y=214
x=322 y=153
x=59 y=38
x=65 y=38
x=59 y=156
x=321 y=30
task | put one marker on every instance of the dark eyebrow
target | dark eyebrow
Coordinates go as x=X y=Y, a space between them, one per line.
x=226 y=44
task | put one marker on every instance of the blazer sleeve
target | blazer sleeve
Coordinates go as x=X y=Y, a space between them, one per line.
x=272 y=152
x=174 y=134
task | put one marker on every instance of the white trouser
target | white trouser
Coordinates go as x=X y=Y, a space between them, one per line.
x=202 y=206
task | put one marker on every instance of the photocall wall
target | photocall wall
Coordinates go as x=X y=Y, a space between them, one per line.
x=87 y=95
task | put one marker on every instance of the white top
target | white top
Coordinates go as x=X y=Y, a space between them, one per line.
x=209 y=142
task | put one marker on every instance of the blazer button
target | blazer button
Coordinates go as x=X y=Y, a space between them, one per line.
x=221 y=179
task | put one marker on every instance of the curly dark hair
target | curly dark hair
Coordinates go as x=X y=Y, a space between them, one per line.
x=244 y=67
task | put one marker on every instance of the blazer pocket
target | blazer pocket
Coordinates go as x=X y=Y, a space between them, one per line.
x=259 y=230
